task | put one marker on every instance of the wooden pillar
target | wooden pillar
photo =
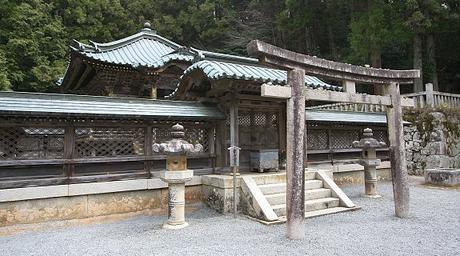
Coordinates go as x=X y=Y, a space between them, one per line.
x=397 y=152
x=153 y=92
x=349 y=86
x=148 y=142
x=295 y=171
x=212 y=145
x=282 y=129
x=234 y=131
x=69 y=150
x=220 y=149
x=429 y=95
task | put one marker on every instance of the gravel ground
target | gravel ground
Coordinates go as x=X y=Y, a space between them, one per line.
x=433 y=229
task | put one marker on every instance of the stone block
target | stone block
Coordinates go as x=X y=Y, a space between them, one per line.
x=105 y=204
x=219 y=199
x=107 y=187
x=443 y=177
x=40 y=210
x=18 y=194
x=437 y=161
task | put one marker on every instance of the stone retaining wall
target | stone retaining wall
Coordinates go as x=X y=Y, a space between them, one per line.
x=432 y=141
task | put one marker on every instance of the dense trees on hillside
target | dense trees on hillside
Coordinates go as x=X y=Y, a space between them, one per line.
x=423 y=34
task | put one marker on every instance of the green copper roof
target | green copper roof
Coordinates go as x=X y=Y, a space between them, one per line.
x=142 y=49
x=250 y=72
x=83 y=106
x=345 y=117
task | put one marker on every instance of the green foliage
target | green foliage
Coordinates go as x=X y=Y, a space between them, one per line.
x=34 y=45
x=35 y=34
x=380 y=24
x=4 y=81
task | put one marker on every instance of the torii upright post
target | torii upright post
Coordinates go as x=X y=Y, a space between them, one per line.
x=400 y=177
x=295 y=171
x=285 y=59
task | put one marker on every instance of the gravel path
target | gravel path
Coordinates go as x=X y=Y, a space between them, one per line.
x=433 y=229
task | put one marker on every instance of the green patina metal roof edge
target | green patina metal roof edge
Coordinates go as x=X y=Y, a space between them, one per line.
x=95 y=47
x=330 y=116
x=220 y=69
x=63 y=105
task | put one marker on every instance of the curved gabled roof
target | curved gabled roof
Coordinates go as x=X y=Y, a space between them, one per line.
x=215 y=70
x=219 y=70
x=145 y=48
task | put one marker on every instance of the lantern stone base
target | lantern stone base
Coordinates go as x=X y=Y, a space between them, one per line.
x=371 y=196
x=176 y=176
x=173 y=227
x=176 y=200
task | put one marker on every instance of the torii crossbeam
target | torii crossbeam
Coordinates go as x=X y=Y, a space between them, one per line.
x=300 y=64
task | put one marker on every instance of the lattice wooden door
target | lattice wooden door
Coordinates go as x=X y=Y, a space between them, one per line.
x=257 y=130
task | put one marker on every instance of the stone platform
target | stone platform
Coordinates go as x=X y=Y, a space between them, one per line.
x=443 y=177
x=262 y=196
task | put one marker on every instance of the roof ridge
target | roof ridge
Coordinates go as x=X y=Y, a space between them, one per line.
x=120 y=43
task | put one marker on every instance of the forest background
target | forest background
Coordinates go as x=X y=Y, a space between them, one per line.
x=397 y=34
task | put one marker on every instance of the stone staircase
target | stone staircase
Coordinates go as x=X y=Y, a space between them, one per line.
x=322 y=195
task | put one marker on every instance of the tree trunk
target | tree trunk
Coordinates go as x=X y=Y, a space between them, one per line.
x=332 y=47
x=418 y=62
x=376 y=62
x=431 y=55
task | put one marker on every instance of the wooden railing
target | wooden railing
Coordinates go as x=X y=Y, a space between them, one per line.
x=431 y=98
x=428 y=98
x=354 y=107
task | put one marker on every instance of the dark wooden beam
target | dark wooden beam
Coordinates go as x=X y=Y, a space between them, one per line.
x=87 y=74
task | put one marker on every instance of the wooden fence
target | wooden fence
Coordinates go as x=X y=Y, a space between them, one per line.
x=37 y=151
x=431 y=98
x=428 y=98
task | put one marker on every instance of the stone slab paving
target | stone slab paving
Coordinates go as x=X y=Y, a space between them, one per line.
x=433 y=229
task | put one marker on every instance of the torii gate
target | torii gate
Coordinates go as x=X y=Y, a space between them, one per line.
x=386 y=82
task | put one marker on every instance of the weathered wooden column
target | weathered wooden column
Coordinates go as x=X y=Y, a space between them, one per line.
x=399 y=173
x=295 y=171
x=429 y=95
x=69 y=151
x=148 y=142
x=234 y=149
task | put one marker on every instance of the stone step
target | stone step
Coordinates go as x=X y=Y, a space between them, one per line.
x=270 y=178
x=277 y=188
x=275 y=199
x=317 y=213
x=279 y=178
x=310 y=205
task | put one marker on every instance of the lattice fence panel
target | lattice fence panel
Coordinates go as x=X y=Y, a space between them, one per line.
x=25 y=143
x=109 y=141
x=273 y=119
x=343 y=139
x=193 y=135
x=317 y=139
x=381 y=135
x=161 y=134
x=260 y=119
x=244 y=119
x=197 y=135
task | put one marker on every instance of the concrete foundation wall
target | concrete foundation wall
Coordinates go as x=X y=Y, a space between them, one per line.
x=40 y=204
x=354 y=173
x=92 y=205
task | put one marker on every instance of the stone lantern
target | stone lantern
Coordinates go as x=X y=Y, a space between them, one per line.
x=369 y=161
x=176 y=174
